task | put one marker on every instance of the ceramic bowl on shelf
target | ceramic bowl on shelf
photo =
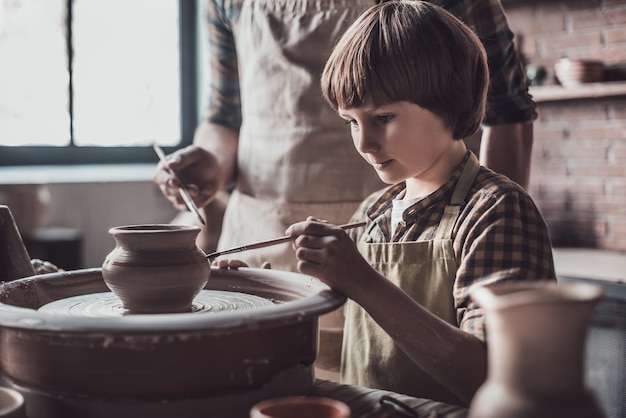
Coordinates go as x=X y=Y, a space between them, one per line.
x=573 y=72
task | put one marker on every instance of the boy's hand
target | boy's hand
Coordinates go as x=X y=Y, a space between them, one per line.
x=325 y=251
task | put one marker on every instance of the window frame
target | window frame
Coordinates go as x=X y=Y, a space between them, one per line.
x=189 y=82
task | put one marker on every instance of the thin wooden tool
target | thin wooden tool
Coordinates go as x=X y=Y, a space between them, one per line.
x=271 y=242
x=183 y=191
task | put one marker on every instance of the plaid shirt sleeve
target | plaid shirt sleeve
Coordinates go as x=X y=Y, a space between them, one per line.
x=224 y=106
x=501 y=237
x=508 y=100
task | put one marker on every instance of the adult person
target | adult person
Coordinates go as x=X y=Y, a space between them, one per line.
x=266 y=126
x=445 y=224
x=268 y=135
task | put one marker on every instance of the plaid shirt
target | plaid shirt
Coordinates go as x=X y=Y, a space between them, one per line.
x=499 y=235
x=508 y=100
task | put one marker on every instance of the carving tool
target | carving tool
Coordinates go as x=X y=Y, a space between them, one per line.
x=183 y=191
x=271 y=242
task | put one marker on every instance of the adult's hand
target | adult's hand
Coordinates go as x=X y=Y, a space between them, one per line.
x=197 y=168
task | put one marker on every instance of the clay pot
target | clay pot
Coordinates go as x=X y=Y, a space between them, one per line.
x=156 y=268
x=300 y=407
x=536 y=338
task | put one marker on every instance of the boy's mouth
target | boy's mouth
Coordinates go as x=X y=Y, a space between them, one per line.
x=381 y=165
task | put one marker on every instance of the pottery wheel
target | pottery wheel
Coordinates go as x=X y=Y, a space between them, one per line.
x=106 y=304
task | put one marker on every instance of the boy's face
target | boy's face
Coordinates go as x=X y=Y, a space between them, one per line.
x=401 y=140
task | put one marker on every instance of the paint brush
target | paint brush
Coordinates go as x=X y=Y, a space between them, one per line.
x=271 y=242
x=183 y=191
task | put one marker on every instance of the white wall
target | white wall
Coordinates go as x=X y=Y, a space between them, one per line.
x=93 y=208
x=91 y=199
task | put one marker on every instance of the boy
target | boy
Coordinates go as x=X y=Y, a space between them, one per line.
x=411 y=81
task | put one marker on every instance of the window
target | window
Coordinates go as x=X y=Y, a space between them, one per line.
x=95 y=81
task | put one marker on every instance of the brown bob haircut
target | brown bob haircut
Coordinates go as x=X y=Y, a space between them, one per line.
x=411 y=51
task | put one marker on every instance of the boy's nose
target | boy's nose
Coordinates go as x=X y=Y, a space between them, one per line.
x=366 y=141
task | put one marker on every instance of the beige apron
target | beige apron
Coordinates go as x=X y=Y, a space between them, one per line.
x=295 y=155
x=425 y=270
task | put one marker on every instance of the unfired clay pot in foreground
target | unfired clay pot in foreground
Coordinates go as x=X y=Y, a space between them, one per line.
x=156 y=268
x=536 y=338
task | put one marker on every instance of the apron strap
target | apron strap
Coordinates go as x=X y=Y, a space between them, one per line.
x=451 y=212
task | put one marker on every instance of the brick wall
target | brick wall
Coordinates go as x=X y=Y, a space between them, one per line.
x=578 y=175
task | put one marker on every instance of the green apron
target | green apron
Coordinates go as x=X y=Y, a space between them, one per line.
x=425 y=270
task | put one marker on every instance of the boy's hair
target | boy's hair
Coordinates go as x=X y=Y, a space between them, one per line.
x=411 y=51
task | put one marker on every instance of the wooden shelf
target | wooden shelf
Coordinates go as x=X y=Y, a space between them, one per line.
x=582 y=91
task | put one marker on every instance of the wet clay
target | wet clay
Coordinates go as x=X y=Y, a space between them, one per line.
x=156 y=268
x=107 y=304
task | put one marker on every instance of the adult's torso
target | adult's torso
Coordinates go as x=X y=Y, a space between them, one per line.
x=293 y=147
x=295 y=155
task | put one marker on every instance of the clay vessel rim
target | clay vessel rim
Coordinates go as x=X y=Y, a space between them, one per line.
x=10 y=401
x=321 y=300
x=151 y=228
x=340 y=406
x=511 y=295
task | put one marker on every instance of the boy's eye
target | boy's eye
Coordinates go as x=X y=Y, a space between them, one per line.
x=384 y=118
x=350 y=122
